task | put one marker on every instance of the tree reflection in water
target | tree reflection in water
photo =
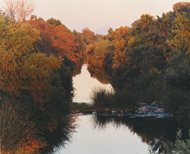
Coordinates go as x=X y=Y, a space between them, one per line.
x=26 y=129
x=155 y=132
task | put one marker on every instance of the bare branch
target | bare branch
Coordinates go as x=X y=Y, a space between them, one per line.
x=24 y=9
x=19 y=10
x=11 y=7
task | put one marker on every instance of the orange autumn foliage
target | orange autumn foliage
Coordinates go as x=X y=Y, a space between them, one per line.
x=122 y=39
x=31 y=146
x=57 y=40
x=88 y=36
x=21 y=67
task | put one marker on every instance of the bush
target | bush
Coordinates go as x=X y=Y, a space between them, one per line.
x=101 y=98
x=174 y=99
x=149 y=86
x=122 y=100
x=18 y=131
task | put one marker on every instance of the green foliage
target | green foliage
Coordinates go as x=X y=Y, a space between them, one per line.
x=173 y=100
x=149 y=87
x=142 y=59
x=150 y=59
x=179 y=147
x=177 y=83
x=177 y=74
x=54 y=22
x=101 y=98
x=82 y=108
x=27 y=72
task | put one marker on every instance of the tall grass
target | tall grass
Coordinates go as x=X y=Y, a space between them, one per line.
x=122 y=100
x=18 y=131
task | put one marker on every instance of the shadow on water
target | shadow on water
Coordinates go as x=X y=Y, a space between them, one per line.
x=29 y=130
x=157 y=133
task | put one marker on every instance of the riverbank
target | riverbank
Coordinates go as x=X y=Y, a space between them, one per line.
x=144 y=111
x=85 y=108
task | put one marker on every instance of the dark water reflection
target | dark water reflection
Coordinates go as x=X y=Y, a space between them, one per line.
x=113 y=134
x=29 y=130
x=153 y=132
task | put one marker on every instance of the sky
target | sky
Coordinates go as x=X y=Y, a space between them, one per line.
x=99 y=15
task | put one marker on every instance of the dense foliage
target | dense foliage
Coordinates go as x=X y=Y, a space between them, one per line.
x=149 y=59
x=147 y=62
x=37 y=61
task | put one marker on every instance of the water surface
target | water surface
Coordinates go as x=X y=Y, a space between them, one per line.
x=89 y=138
x=84 y=84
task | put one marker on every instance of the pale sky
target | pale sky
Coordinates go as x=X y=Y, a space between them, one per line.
x=99 y=15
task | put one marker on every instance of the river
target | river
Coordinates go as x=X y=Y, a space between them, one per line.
x=84 y=84
x=91 y=139
x=56 y=130
x=113 y=135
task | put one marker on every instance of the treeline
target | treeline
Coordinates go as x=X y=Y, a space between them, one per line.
x=37 y=62
x=37 y=57
x=146 y=62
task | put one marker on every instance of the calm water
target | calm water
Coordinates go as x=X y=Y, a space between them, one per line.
x=89 y=138
x=84 y=85
x=114 y=135
x=26 y=130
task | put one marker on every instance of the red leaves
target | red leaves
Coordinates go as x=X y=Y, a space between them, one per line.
x=57 y=40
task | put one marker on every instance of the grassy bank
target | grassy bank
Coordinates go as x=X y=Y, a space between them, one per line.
x=82 y=108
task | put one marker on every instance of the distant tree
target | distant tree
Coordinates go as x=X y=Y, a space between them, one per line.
x=142 y=28
x=11 y=8
x=54 y=22
x=19 y=10
x=181 y=7
x=88 y=36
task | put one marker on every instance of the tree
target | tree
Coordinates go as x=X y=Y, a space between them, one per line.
x=181 y=39
x=96 y=54
x=181 y=7
x=88 y=36
x=22 y=69
x=19 y=10
x=122 y=40
x=11 y=8
x=54 y=22
x=57 y=39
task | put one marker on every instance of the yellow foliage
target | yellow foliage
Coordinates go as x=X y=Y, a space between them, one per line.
x=182 y=37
